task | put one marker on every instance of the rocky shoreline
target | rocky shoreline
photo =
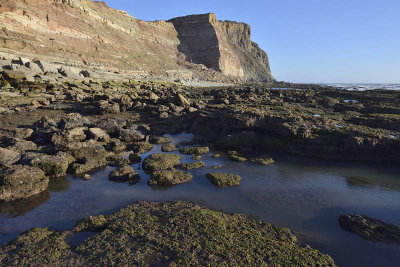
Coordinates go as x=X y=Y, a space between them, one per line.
x=50 y=129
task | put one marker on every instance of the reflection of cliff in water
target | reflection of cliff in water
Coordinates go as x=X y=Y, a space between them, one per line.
x=362 y=181
x=23 y=206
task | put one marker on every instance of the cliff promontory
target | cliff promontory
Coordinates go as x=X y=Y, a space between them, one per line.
x=89 y=34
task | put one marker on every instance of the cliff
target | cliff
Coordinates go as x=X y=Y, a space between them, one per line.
x=89 y=34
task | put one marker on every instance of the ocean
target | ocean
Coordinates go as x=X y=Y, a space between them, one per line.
x=366 y=86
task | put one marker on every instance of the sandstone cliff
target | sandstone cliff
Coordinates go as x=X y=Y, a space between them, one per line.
x=90 y=34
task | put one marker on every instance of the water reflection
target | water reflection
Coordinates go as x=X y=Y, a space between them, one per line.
x=306 y=195
x=22 y=206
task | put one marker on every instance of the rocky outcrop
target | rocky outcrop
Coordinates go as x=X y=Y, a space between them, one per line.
x=84 y=38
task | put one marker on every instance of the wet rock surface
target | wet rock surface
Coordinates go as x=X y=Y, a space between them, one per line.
x=370 y=229
x=18 y=181
x=169 y=177
x=158 y=162
x=165 y=234
x=224 y=179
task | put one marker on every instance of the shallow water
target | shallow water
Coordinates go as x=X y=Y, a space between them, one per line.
x=306 y=195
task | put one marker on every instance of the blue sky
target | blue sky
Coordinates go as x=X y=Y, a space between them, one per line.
x=306 y=41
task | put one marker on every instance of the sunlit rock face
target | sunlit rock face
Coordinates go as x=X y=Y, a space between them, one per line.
x=85 y=33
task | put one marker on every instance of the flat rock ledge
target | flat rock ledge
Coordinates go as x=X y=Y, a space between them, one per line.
x=169 y=234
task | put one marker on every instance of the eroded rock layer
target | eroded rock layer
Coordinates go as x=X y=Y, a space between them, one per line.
x=85 y=33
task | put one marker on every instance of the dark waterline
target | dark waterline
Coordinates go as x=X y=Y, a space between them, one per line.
x=306 y=195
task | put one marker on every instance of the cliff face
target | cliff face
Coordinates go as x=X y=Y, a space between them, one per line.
x=91 y=34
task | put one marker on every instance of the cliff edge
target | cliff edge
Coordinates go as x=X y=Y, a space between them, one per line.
x=89 y=34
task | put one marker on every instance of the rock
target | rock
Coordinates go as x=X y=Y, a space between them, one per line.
x=160 y=140
x=169 y=177
x=236 y=156
x=22 y=133
x=88 y=160
x=192 y=166
x=194 y=150
x=53 y=165
x=85 y=73
x=153 y=96
x=18 y=181
x=73 y=120
x=168 y=148
x=224 y=179
x=370 y=229
x=192 y=109
x=86 y=177
x=8 y=157
x=117 y=160
x=98 y=134
x=141 y=147
x=158 y=162
x=264 y=160
x=124 y=173
x=181 y=100
x=105 y=107
x=14 y=75
x=180 y=224
x=135 y=158
x=115 y=145
x=110 y=125
x=131 y=134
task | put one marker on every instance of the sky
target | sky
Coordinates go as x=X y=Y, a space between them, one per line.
x=316 y=41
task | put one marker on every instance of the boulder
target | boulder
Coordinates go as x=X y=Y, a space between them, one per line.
x=98 y=135
x=53 y=165
x=124 y=173
x=14 y=75
x=8 y=157
x=141 y=147
x=131 y=134
x=19 y=181
x=135 y=158
x=158 y=162
x=47 y=67
x=72 y=120
x=160 y=140
x=195 y=150
x=22 y=133
x=88 y=160
x=169 y=177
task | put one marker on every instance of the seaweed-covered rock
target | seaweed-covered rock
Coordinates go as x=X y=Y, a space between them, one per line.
x=8 y=157
x=172 y=233
x=224 y=179
x=236 y=156
x=194 y=150
x=131 y=134
x=53 y=165
x=192 y=166
x=98 y=134
x=263 y=160
x=158 y=162
x=169 y=177
x=124 y=173
x=160 y=140
x=141 y=147
x=88 y=159
x=370 y=229
x=19 y=181
x=168 y=148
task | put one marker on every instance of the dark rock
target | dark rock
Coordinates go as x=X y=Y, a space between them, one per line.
x=192 y=166
x=160 y=140
x=141 y=147
x=169 y=177
x=370 y=229
x=135 y=158
x=124 y=173
x=18 y=181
